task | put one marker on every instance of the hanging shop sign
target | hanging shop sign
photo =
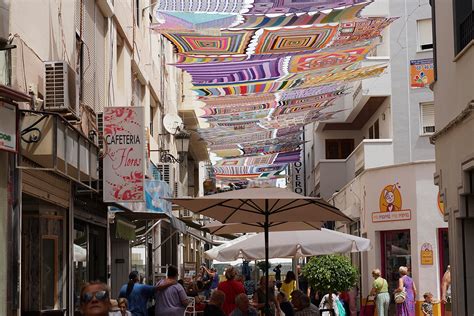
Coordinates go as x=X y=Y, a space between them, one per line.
x=390 y=206
x=421 y=72
x=426 y=254
x=124 y=154
x=8 y=127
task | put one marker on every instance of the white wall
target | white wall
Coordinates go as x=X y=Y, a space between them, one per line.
x=360 y=198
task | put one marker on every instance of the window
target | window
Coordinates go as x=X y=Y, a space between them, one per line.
x=425 y=34
x=339 y=148
x=427 y=118
x=374 y=130
x=463 y=24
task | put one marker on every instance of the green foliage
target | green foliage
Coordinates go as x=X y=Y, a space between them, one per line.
x=331 y=273
x=262 y=266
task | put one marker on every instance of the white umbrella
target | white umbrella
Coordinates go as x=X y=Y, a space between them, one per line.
x=264 y=207
x=289 y=244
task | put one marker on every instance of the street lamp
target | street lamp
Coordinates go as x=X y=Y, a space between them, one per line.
x=182 y=138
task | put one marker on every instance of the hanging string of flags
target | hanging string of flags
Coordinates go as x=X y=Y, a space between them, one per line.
x=264 y=69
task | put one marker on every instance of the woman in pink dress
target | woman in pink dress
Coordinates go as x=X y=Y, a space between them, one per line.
x=405 y=283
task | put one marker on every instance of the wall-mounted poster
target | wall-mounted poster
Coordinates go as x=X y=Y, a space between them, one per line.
x=390 y=205
x=421 y=72
x=426 y=254
x=124 y=154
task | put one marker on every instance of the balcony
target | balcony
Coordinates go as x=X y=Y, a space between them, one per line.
x=332 y=174
x=53 y=144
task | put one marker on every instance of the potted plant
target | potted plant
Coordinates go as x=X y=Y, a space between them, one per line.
x=330 y=274
x=262 y=265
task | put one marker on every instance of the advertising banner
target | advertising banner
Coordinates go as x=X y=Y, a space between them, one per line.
x=124 y=154
x=421 y=72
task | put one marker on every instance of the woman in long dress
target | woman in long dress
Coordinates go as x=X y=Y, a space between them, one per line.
x=405 y=283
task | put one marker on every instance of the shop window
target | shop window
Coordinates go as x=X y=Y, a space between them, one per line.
x=339 y=148
x=427 y=118
x=425 y=35
x=396 y=252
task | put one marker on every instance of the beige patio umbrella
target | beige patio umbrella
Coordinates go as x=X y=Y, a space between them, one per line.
x=217 y=228
x=263 y=207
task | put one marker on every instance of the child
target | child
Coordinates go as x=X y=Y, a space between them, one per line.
x=427 y=306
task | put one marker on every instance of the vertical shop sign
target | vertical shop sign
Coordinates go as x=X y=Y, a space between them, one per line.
x=124 y=154
x=8 y=127
x=426 y=254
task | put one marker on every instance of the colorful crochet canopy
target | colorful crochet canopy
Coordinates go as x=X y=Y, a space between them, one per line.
x=226 y=43
x=265 y=68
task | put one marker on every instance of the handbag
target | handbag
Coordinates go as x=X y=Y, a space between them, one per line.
x=340 y=308
x=400 y=297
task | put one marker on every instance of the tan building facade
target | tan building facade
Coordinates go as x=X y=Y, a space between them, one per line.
x=454 y=139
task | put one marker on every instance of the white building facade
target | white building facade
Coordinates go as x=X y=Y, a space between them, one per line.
x=375 y=162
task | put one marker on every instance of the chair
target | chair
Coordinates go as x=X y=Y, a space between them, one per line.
x=191 y=308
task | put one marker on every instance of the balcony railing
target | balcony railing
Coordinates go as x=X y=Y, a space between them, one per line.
x=332 y=174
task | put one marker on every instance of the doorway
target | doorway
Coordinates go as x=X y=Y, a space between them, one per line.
x=443 y=250
x=396 y=252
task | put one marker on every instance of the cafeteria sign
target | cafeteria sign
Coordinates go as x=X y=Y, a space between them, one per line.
x=390 y=206
x=124 y=154
x=421 y=72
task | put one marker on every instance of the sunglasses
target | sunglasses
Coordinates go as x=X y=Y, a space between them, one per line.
x=99 y=295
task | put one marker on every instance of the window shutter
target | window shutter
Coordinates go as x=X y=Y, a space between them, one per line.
x=425 y=34
x=427 y=118
x=102 y=60
x=93 y=35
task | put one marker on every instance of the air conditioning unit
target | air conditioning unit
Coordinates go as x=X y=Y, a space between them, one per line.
x=167 y=173
x=60 y=88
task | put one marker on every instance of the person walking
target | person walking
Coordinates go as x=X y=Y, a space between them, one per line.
x=289 y=284
x=214 y=307
x=137 y=294
x=406 y=284
x=380 y=291
x=95 y=299
x=277 y=271
x=231 y=289
x=172 y=300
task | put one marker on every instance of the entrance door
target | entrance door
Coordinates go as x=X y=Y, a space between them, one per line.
x=396 y=252
x=443 y=250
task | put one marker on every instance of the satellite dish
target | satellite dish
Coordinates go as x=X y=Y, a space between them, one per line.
x=172 y=123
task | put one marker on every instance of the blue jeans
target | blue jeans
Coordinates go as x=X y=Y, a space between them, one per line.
x=381 y=303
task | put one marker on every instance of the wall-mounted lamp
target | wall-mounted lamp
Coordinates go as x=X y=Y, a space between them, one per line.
x=182 y=138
